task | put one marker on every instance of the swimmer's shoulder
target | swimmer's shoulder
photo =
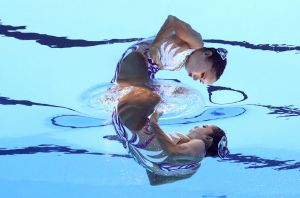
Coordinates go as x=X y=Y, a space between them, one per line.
x=193 y=150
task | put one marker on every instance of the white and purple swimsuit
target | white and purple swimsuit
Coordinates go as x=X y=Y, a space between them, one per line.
x=168 y=55
x=149 y=159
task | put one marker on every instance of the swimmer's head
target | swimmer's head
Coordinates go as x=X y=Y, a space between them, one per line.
x=214 y=138
x=206 y=64
x=219 y=144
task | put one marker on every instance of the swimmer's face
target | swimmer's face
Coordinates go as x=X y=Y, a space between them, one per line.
x=198 y=131
x=199 y=67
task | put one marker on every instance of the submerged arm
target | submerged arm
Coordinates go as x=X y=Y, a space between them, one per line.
x=192 y=150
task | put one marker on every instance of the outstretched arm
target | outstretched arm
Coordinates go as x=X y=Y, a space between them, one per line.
x=182 y=30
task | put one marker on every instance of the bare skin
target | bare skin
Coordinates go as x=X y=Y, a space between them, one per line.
x=134 y=109
x=133 y=70
x=182 y=35
x=136 y=106
x=191 y=147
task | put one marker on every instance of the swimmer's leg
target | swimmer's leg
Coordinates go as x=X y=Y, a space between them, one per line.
x=133 y=69
x=135 y=107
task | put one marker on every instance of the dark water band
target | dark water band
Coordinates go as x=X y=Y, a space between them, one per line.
x=64 y=42
x=251 y=161
x=9 y=101
x=51 y=148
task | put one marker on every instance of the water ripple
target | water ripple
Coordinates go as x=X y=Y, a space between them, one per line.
x=9 y=101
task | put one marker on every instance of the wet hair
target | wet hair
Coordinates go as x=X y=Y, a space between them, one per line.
x=218 y=63
x=217 y=135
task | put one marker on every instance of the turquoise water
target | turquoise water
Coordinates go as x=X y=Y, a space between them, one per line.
x=54 y=141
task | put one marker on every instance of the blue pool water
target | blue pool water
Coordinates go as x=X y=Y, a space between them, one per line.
x=56 y=56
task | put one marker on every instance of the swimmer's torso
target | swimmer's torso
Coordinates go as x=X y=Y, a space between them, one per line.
x=146 y=149
x=170 y=54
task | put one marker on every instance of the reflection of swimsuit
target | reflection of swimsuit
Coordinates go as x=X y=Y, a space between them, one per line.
x=167 y=54
x=148 y=159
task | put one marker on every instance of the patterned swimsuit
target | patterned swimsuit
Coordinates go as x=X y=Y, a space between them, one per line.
x=152 y=66
x=168 y=55
x=149 y=159
x=153 y=161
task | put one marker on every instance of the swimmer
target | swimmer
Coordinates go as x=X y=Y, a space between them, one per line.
x=176 y=45
x=167 y=157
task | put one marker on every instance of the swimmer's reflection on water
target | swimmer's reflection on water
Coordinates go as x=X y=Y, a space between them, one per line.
x=167 y=157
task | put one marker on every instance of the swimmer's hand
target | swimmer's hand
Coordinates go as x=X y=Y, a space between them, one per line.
x=155 y=116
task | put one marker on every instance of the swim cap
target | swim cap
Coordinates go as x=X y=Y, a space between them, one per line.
x=222 y=52
x=222 y=147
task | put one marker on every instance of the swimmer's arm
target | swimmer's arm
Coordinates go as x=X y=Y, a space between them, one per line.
x=167 y=143
x=185 y=151
x=182 y=30
x=165 y=32
x=186 y=33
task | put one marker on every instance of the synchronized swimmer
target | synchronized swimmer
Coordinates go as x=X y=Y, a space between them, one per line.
x=167 y=157
x=176 y=46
